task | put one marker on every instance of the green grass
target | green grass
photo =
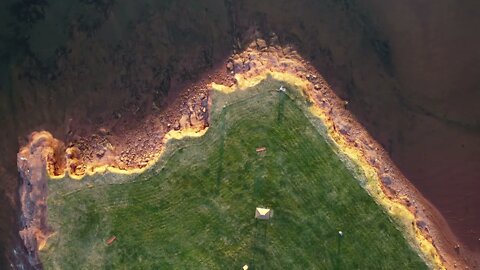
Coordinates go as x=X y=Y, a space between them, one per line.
x=195 y=209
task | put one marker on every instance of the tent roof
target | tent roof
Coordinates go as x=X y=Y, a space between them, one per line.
x=263 y=213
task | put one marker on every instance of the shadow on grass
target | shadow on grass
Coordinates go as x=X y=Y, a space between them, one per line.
x=257 y=184
x=221 y=152
x=259 y=245
x=336 y=255
x=281 y=106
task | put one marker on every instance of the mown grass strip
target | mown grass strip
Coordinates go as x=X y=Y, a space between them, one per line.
x=195 y=210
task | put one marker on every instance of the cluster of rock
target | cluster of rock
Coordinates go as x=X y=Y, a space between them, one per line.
x=32 y=161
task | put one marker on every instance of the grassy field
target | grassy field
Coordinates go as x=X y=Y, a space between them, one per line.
x=195 y=209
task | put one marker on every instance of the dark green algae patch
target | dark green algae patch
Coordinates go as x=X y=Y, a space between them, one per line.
x=195 y=208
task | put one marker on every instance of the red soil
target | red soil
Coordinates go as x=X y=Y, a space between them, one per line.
x=111 y=240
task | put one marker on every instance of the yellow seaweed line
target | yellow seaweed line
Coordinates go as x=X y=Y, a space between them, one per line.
x=172 y=134
x=394 y=208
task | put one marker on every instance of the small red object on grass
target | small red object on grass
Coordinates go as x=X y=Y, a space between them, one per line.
x=111 y=240
x=261 y=149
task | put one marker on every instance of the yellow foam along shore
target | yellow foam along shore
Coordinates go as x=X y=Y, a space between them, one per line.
x=373 y=182
x=172 y=134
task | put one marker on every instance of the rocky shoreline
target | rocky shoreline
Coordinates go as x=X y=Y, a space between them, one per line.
x=132 y=151
x=126 y=151
x=424 y=225
x=32 y=161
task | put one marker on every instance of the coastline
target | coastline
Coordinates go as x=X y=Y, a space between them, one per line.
x=420 y=220
x=385 y=183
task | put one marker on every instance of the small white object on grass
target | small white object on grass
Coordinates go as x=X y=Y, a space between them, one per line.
x=263 y=213
x=340 y=233
x=282 y=89
x=245 y=267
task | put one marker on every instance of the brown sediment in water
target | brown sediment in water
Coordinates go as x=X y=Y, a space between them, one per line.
x=114 y=148
x=119 y=149
x=135 y=151
x=422 y=222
